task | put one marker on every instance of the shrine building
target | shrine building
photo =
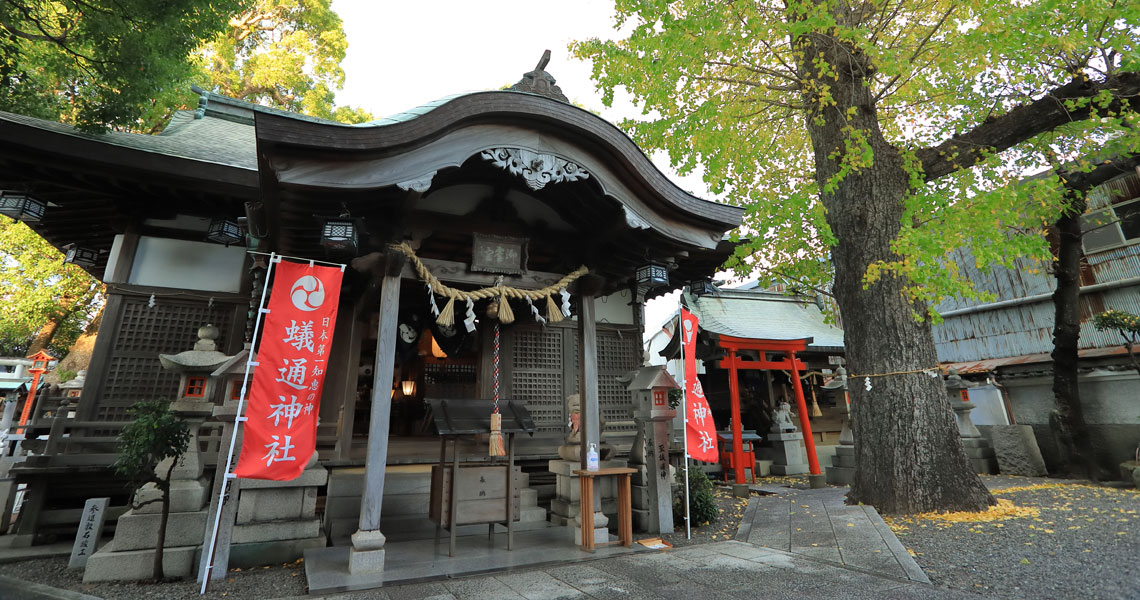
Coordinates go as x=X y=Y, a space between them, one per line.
x=515 y=187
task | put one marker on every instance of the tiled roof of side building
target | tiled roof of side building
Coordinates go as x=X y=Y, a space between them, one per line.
x=767 y=316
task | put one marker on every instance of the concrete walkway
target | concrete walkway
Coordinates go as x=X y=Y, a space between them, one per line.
x=817 y=524
x=729 y=569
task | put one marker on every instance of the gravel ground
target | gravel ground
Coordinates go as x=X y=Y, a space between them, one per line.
x=724 y=528
x=1084 y=543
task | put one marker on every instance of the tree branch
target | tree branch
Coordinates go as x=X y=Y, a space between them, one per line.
x=1024 y=122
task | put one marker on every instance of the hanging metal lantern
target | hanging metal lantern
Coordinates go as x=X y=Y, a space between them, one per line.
x=21 y=207
x=702 y=287
x=84 y=257
x=339 y=234
x=652 y=275
x=224 y=231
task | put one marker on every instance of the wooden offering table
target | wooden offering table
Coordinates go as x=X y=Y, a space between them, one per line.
x=481 y=493
x=625 y=512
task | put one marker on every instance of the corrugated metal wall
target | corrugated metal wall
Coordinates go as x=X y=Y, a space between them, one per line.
x=1028 y=328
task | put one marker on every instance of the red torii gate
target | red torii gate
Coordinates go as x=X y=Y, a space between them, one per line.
x=732 y=362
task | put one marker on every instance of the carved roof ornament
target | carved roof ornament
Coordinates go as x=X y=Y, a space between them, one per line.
x=540 y=82
x=537 y=169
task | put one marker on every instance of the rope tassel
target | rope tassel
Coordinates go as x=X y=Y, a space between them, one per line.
x=506 y=315
x=552 y=311
x=497 y=448
x=446 y=316
x=815 y=411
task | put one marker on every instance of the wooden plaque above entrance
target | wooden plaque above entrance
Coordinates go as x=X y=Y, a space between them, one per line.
x=499 y=254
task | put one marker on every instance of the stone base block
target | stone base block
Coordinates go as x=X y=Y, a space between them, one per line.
x=789 y=469
x=569 y=510
x=840 y=475
x=846 y=461
x=260 y=554
x=185 y=496
x=528 y=497
x=345 y=482
x=366 y=561
x=140 y=531
x=985 y=466
x=342 y=507
x=276 y=530
x=136 y=565
x=1017 y=451
x=641 y=519
x=980 y=452
x=274 y=504
x=534 y=514
x=601 y=535
x=763 y=468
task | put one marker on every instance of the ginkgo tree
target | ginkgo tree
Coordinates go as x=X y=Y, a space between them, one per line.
x=869 y=141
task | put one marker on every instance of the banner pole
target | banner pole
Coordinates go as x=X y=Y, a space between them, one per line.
x=273 y=259
x=685 y=421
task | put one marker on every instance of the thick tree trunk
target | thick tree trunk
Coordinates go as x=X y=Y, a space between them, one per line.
x=1069 y=422
x=45 y=335
x=909 y=457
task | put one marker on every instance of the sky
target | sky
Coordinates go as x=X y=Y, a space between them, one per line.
x=404 y=54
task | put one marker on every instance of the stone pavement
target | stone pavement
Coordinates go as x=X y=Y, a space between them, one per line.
x=730 y=569
x=817 y=524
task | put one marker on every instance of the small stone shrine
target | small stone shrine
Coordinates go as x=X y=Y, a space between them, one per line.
x=782 y=444
x=564 y=507
x=978 y=449
x=652 y=496
x=130 y=554
x=842 y=469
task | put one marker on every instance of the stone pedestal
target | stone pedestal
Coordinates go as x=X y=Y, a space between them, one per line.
x=978 y=449
x=564 y=507
x=136 y=532
x=276 y=520
x=786 y=453
x=842 y=469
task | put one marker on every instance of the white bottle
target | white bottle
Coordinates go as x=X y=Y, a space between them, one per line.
x=592 y=457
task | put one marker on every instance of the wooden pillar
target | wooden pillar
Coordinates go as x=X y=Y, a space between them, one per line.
x=368 y=543
x=801 y=406
x=100 y=364
x=737 y=433
x=349 y=376
x=588 y=375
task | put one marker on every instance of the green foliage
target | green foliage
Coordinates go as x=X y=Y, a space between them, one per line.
x=675 y=398
x=702 y=502
x=1126 y=323
x=728 y=86
x=285 y=54
x=155 y=434
x=39 y=290
x=128 y=64
x=101 y=63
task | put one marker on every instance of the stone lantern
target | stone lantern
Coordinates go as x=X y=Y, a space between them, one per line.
x=979 y=450
x=130 y=553
x=652 y=483
x=842 y=469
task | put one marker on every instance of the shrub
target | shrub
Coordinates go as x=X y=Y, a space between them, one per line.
x=702 y=502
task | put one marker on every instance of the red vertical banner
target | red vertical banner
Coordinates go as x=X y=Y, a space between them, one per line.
x=700 y=431
x=284 y=400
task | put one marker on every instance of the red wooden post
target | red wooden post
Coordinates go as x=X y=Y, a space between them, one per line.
x=801 y=406
x=737 y=440
x=40 y=361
